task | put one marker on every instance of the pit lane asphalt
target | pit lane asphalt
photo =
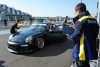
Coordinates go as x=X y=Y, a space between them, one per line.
x=53 y=55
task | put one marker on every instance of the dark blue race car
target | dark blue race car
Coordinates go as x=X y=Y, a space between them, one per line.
x=36 y=36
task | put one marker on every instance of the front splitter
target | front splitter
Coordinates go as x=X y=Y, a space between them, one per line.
x=13 y=51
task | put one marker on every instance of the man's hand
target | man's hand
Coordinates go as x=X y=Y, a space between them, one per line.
x=72 y=26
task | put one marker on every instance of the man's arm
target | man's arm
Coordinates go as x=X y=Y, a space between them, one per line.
x=16 y=30
x=72 y=26
x=77 y=32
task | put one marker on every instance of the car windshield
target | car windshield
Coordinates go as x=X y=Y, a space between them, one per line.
x=37 y=27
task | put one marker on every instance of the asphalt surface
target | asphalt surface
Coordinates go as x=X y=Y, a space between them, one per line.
x=53 y=55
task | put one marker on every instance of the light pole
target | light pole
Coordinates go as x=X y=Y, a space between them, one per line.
x=81 y=1
x=98 y=19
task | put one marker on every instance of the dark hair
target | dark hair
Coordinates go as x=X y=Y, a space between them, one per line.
x=66 y=16
x=81 y=7
x=18 y=20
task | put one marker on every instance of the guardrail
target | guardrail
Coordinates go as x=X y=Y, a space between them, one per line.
x=9 y=25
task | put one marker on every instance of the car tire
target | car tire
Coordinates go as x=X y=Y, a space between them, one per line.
x=40 y=43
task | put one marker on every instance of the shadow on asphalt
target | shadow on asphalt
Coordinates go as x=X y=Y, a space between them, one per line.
x=1 y=63
x=52 y=49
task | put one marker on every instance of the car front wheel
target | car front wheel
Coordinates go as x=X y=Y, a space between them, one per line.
x=40 y=43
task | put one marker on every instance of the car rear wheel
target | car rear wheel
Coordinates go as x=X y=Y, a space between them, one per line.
x=40 y=43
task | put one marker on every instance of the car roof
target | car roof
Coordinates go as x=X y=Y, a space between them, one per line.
x=42 y=24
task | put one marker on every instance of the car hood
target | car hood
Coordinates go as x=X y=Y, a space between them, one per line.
x=23 y=35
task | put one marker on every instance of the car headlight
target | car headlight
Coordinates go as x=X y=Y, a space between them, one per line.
x=28 y=39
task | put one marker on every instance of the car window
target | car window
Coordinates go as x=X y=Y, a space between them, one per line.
x=37 y=27
x=40 y=28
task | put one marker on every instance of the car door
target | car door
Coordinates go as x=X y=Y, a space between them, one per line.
x=56 y=36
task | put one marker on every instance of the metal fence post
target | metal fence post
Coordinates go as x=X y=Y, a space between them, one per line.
x=98 y=19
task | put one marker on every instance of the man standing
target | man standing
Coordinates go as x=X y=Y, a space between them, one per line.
x=5 y=22
x=84 y=36
x=14 y=27
x=65 y=22
x=72 y=25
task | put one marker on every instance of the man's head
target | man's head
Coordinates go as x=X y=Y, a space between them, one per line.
x=52 y=26
x=18 y=21
x=66 y=17
x=81 y=7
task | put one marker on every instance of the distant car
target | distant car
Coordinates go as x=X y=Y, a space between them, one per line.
x=36 y=36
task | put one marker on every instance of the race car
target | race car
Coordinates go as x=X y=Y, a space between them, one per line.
x=35 y=36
